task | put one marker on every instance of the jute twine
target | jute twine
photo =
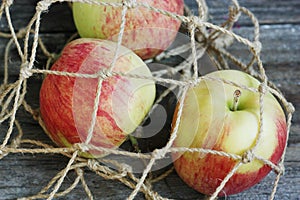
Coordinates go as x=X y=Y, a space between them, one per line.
x=214 y=43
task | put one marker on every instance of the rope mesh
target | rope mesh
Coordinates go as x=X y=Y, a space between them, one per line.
x=205 y=39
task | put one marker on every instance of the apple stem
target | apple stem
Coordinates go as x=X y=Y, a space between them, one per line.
x=236 y=97
x=134 y=143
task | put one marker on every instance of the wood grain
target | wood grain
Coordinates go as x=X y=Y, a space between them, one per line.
x=25 y=174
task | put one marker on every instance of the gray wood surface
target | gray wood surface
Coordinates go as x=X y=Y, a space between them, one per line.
x=25 y=174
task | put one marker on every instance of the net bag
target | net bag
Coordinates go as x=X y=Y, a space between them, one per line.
x=175 y=70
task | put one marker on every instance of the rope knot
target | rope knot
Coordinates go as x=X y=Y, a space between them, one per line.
x=3 y=154
x=262 y=88
x=130 y=3
x=248 y=156
x=8 y=3
x=22 y=32
x=291 y=108
x=43 y=5
x=25 y=71
x=159 y=153
x=224 y=41
x=81 y=147
x=36 y=114
x=281 y=168
x=171 y=71
x=234 y=14
x=93 y=164
x=126 y=169
x=193 y=22
x=104 y=74
x=16 y=142
x=257 y=46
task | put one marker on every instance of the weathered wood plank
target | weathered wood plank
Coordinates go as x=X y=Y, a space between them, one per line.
x=280 y=46
x=266 y=11
x=57 y=19
x=24 y=175
x=59 y=16
x=53 y=42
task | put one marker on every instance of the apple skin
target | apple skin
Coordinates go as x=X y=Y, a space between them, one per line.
x=208 y=122
x=147 y=32
x=66 y=103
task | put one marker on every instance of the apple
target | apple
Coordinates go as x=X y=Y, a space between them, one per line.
x=67 y=103
x=146 y=32
x=223 y=117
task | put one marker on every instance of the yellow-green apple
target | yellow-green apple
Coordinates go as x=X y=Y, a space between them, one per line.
x=146 y=32
x=67 y=103
x=214 y=118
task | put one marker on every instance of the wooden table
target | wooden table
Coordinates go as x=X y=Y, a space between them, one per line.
x=23 y=175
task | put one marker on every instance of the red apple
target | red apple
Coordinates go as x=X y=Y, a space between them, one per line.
x=211 y=120
x=147 y=32
x=67 y=103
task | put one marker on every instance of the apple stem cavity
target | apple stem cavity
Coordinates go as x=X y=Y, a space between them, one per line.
x=236 y=98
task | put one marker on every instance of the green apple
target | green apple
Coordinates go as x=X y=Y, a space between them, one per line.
x=146 y=32
x=213 y=118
